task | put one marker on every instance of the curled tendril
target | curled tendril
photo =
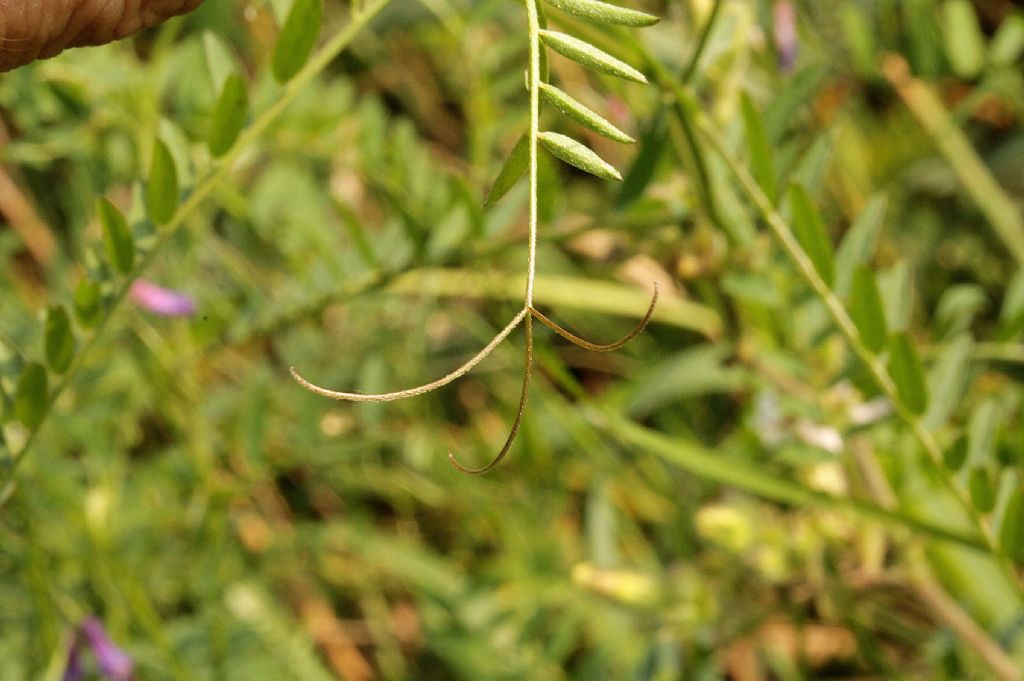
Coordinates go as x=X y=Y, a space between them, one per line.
x=576 y=340
x=527 y=314
x=527 y=374
x=422 y=389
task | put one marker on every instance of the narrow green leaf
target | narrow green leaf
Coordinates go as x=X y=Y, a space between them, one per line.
x=162 y=188
x=907 y=374
x=1011 y=530
x=575 y=154
x=604 y=13
x=983 y=432
x=117 y=237
x=582 y=114
x=762 y=160
x=810 y=232
x=983 y=493
x=31 y=395
x=511 y=170
x=59 y=339
x=298 y=36
x=1008 y=42
x=88 y=303
x=219 y=61
x=947 y=380
x=586 y=54
x=965 y=42
x=228 y=116
x=639 y=175
x=866 y=310
x=858 y=245
x=955 y=456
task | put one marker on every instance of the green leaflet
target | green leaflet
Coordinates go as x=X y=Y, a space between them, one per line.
x=907 y=374
x=965 y=42
x=858 y=245
x=117 y=238
x=162 y=188
x=58 y=340
x=586 y=54
x=762 y=159
x=983 y=493
x=604 y=13
x=228 y=116
x=582 y=114
x=88 y=303
x=219 y=61
x=298 y=36
x=31 y=395
x=575 y=154
x=511 y=170
x=810 y=232
x=866 y=310
x=1011 y=530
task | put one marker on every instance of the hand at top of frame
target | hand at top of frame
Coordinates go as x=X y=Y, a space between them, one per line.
x=37 y=29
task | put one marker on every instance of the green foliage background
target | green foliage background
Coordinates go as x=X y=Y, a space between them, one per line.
x=733 y=496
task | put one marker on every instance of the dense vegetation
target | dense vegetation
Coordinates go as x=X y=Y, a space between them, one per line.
x=810 y=465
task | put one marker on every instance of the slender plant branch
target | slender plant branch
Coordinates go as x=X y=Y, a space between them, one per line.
x=702 y=42
x=782 y=232
x=331 y=49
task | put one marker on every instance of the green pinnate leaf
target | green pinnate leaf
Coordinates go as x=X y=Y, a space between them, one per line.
x=59 y=340
x=117 y=237
x=867 y=311
x=31 y=397
x=162 y=188
x=511 y=170
x=88 y=303
x=762 y=159
x=298 y=36
x=811 y=233
x=907 y=373
x=965 y=42
x=605 y=13
x=581 y=114
x=228 y=116
x=859 y=243
x=575 y=154
x=593 y=58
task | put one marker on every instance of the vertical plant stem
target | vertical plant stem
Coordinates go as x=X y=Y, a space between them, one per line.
x=533 y=22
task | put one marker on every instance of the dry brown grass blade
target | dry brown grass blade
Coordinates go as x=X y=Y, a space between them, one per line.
x=519 y=416
x=573 y=338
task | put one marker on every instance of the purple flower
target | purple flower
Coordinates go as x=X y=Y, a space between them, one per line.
x=162 y=301
x=112 y=662
x=786 y=39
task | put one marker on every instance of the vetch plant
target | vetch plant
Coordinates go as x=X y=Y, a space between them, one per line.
x=523 y=160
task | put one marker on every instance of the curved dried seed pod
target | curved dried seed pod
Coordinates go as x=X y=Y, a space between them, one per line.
x=576 y=340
